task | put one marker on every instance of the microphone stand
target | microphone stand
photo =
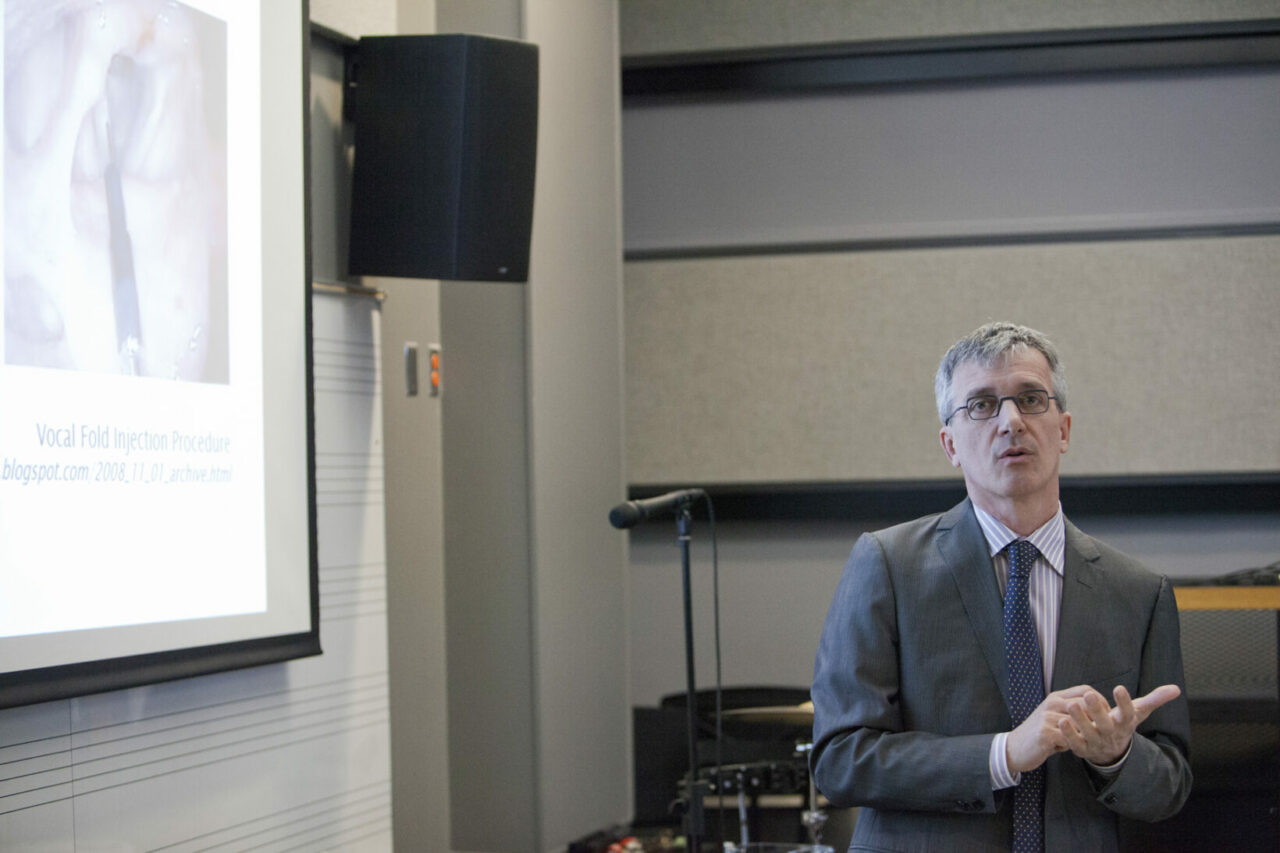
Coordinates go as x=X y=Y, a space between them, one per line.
x=693 y=823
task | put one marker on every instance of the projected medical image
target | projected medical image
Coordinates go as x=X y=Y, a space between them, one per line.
x=115 y=199
x=156 y=489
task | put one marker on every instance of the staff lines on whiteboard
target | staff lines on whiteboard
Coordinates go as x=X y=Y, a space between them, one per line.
x=369 y=495
x=358 y=478
x=351 y=593
x=348 y=475
x=333 y=346
x=63 y=775
x=358 y=393
x=339 y=379
x=369 y=498
x=366 y=352
x=45 y=796
x=351 y=715
x=278 y=733
x=272 y=699
x=321 y=342
x=343 y=837
x=334 y=480
x=352 y=615
x=354 y=361
x=327 y=370
x=86 y=779
x=19 y=750
x=379 y=793
x=350 y=586
x=341 y=385
x=367 y=391
x=324 y=364
x=12 y=768
x=253 y=746
x=353 y=569
x=371 y=460
x=347 y=472
x=105 y=752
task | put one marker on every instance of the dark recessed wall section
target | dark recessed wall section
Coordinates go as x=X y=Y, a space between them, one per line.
x=1221 y=493
x=969 y=58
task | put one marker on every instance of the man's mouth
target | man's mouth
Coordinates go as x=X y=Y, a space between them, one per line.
x=1015 y=453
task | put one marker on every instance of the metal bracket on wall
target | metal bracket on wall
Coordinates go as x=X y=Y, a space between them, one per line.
x=342 y=288
x=350 y=60
x=350 y=75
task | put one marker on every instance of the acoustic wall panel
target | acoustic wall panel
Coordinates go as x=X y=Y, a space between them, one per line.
x=819 y=367
x=1080 y=154
x=658 y=29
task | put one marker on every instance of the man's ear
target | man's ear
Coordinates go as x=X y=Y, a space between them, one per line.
x=1064 y=432
x=949 y=446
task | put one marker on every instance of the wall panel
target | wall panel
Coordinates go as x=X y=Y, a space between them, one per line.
x=1035 y=157
x=653 y=29
x=819 y=367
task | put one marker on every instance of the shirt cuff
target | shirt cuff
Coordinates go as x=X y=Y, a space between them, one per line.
x=1109 y=770
x=998 y=764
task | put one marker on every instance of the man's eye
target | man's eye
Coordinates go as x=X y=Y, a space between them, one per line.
x=1031 y=400
x=981 y=405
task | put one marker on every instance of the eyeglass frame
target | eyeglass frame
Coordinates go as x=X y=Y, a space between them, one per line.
x=1000 y=404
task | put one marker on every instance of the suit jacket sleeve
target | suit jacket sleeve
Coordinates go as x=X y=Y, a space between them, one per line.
x=876 y=741
x=1155 y=780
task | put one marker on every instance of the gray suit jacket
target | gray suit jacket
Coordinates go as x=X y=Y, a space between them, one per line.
x=910 y=687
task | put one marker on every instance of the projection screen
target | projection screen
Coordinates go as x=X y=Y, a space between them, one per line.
x=157 y=501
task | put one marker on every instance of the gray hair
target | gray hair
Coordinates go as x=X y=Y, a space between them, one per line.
x=988 y=344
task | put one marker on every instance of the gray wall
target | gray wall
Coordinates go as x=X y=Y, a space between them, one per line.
x=575 y=436
x=655 y=29
x=530 y=431
x=416 y=626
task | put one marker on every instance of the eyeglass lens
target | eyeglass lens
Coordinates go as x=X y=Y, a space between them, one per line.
x=988 y=406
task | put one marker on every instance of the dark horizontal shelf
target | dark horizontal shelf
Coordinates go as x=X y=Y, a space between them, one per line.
x=903 y=499
x=1188 y=231
x=1114 y=50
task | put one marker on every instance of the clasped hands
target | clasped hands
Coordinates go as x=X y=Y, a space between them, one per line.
x=1081 y=720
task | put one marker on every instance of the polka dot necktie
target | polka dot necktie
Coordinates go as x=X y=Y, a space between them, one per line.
x=1026 y=691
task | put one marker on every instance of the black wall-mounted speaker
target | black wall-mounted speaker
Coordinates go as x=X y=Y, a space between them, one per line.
x=446 y=131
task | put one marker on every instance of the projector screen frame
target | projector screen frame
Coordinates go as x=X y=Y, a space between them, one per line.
x=65 y=681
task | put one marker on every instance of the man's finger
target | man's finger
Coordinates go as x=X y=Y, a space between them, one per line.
x=1072 y=738
x=1081 y=718
x=1096 y=706
x=1144 y=705
x=1070 y=692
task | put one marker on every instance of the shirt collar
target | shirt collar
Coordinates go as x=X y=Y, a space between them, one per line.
x=1049 y=538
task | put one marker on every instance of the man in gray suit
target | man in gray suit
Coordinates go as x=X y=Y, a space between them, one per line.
x=927 y=658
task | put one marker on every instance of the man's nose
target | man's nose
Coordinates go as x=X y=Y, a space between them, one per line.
x=1009 y=416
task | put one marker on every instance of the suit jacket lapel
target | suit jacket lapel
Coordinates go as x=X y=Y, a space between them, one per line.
x=965 y=553
x=1082 y=591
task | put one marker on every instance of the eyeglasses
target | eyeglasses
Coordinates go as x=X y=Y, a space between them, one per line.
x=984 y=407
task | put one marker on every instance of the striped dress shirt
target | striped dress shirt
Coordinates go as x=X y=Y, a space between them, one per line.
x=1045 y=592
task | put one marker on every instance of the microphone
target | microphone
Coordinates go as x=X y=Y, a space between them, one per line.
x=631 y=513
